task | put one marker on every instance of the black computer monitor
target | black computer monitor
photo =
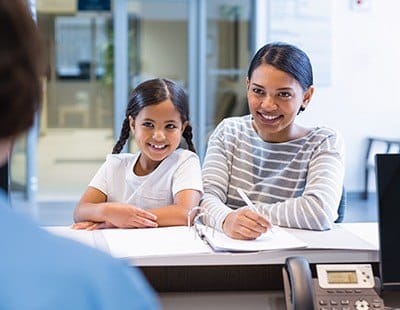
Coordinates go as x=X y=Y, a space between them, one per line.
x=388 y=194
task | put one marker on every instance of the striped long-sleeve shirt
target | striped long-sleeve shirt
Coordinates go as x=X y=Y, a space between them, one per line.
x=296 y=183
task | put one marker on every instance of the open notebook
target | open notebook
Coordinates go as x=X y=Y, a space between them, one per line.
x=179 y=240
x=277 y=239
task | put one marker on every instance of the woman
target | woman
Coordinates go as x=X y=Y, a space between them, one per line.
x=292 y=174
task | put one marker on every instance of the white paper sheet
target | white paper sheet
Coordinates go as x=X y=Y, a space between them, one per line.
x=163 y=241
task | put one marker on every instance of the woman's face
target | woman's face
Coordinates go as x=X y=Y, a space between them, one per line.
x=275 y=98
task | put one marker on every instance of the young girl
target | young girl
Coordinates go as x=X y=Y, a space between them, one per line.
x=292 y=174
x=156 y=186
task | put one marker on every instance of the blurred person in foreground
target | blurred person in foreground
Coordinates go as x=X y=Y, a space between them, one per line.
x=39 y=270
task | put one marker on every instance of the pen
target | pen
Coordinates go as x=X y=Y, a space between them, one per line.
x=249 y=203
x=246 y=200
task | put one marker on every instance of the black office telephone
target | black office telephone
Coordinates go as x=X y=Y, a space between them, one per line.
x=338 y=286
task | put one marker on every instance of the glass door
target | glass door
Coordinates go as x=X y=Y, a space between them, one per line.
x=227 y=57
x=75 y=123
x=228 y=52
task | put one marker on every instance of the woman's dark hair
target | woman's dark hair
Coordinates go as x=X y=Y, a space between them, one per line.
x=153 y=92
x=287 y=58
x=21 y=68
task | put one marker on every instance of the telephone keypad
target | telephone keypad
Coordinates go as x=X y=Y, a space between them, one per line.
x=345 y=304
x=347 y=299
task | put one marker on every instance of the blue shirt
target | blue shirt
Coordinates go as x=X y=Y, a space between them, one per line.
x=41 y=271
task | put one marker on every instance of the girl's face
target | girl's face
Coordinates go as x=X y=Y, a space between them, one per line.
x=157 y=129
x=275 y=98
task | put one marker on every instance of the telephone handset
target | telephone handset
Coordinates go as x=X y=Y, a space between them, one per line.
x=338 y=286
x=298 y=285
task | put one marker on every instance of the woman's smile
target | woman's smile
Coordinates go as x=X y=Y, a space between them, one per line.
x=269 y=119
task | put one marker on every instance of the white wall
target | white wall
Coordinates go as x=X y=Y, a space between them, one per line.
x=362 y=99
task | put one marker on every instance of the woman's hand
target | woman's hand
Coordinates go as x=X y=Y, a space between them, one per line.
x=245 y=224
x=128 y=216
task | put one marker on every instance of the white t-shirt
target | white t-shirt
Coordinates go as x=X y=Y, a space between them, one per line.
x=117 y=180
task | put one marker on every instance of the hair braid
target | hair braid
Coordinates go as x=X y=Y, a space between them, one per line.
x=124 y=135
x=188 y=135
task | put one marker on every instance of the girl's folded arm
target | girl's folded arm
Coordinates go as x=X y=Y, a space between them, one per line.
x=91 y=206
x=176 y=214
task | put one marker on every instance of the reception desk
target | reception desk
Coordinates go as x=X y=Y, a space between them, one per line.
x=198 y=277
x=232 y=271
